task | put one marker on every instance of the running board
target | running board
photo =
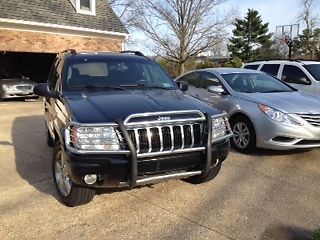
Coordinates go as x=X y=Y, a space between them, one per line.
x=156 y=179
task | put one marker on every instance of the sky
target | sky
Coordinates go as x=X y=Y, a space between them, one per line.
x=276 y=12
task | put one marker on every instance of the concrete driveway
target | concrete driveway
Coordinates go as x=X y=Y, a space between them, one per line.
x=269 y=195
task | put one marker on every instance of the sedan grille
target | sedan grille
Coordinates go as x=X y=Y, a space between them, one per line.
x=166 y=138
x=24 y=87
x=313 y=119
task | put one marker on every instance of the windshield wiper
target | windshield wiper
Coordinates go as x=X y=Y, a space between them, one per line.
x=274 y=91
x=145 y=86
x=104 y=87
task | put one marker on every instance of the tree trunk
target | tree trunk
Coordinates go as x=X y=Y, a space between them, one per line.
x=181 y=68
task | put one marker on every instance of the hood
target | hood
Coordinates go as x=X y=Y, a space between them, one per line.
x=109 y=106
x=288 y=102
x=16 y=81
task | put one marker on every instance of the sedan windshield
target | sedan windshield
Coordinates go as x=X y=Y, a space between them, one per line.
x=255 y=82
x=107 y=73
x=6 y=74
x=314 y=70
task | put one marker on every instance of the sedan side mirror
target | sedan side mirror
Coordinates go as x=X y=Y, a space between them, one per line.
x=216 y=89
x=183 y=85
x=42 y=89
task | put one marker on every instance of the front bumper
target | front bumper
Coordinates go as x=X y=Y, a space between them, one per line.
x=115 y=170
x=273 y=135
x=18 y=94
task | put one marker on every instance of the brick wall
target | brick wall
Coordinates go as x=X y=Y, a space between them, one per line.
x=23 y=41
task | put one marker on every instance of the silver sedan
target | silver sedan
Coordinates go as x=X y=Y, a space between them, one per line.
x=263 y=111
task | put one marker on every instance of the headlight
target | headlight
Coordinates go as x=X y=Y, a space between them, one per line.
x=219 y=127
x=278 y=116
x=95 y=138
x=8 y=87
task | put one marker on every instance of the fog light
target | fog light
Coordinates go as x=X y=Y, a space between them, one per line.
x=90 y=179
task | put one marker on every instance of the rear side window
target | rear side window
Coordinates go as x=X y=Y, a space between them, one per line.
x=293 y=74
x=253 y=66
x=271 y=69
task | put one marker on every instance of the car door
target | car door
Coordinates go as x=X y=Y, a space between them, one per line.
x=296 y=77
x=215 y=99
x=194 y=83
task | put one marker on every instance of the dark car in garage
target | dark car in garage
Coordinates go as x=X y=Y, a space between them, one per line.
x=15 y=85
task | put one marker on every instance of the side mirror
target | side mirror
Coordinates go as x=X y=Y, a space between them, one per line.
x=304 y=80
x=183 y=85
x=42 y=89
x=216 y=89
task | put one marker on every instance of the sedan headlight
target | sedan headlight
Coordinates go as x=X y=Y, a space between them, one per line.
x=8 y=87
x=278 y=116
x=219 y=127
x=94 y=138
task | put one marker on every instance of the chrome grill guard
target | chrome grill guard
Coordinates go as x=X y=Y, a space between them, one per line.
x=140 y=138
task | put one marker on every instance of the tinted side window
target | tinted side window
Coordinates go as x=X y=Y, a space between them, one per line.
x=253 y=66
x=209 y=79
x=293 y=74
x=271 y=69
x=192 y=79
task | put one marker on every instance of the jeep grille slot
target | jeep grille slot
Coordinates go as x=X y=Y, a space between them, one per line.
x=166 y=138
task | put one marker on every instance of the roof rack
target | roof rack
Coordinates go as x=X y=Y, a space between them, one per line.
x=72 y=51
x=134 y=52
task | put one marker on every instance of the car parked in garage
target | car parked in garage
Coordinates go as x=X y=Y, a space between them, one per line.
x=263 y=111
x=303 y=75
x=15 y=85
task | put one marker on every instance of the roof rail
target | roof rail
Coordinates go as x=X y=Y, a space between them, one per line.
x=134 y=52
x=72 y=51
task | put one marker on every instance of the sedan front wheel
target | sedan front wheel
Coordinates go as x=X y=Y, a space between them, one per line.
x=244 y=138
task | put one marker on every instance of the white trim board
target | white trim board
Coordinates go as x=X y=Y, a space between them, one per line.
x=60 y=29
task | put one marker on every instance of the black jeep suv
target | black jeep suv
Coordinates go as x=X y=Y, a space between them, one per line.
x=118 y=120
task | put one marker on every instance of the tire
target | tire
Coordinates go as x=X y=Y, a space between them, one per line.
x=244 y=139
x=213 y=172
x=70 y=194
x=50 y=140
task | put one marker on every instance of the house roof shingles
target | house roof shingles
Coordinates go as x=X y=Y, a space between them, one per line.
x=61 y=12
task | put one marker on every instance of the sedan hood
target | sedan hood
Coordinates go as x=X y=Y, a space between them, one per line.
x=109 y=106
x=17 y=81
x=287 y=102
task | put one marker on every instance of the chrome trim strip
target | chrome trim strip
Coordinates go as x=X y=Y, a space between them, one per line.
x=172 y=137
x=149 y=139
x=192 y=136
x=150 y=114
x=182 y=136
x=136 y=134
x=153 y=154
x=157 y=123
x=155 y=179
x=161 y=138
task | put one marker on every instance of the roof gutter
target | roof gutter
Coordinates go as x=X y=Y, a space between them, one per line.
x=58 y=29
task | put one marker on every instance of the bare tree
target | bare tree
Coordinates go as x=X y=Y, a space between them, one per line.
x=181 y=29
x=310 y=19
x=126 y=11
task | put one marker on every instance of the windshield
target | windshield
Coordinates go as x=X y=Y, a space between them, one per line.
x=124 y=73
x=314 y=70
x=255 y=82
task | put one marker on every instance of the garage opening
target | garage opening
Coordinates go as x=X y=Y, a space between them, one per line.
x=35 y=66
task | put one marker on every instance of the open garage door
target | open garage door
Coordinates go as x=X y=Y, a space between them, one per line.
x=35 y=66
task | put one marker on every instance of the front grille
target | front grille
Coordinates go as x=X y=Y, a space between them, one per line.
x=313 y=119
x=166 y=138
x=24 y=87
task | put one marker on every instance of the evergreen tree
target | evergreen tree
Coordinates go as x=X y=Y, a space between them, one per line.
x=249 y=36
x=307 y=45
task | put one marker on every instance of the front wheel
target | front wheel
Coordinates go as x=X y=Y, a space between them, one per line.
x=213 y=172
x=70 y=194
x=244 y=138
